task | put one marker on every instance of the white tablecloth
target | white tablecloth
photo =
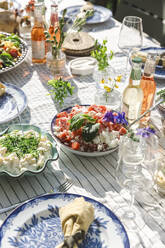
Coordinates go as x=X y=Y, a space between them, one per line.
x=93 y=177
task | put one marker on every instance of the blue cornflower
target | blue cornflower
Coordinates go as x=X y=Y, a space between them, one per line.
x=146 y=132
x=115 y=117
x=109 y=117
x=120 y=118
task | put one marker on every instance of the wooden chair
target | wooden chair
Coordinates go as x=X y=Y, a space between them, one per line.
x=151 y=11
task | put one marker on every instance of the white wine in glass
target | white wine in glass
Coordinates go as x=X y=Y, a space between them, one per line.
x=130 y=36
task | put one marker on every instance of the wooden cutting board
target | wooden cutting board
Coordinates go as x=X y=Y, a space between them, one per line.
x=78 y=44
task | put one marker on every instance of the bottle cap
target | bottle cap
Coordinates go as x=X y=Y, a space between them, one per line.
x=38 y=4
x=137 y=60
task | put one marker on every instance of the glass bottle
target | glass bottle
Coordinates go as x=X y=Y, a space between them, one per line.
x=37 y=36
x=54 y=22
x=133 y=93
x=148 y=86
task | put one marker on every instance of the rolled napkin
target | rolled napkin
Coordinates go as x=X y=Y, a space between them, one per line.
x=76 y=218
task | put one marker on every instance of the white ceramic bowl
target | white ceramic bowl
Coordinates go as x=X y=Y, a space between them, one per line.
x=82 y=66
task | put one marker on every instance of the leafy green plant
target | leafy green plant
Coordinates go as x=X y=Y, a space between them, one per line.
x=79 y=22
x=60 y=89
x=56 y=46
x=161 y=94
x=102 y=55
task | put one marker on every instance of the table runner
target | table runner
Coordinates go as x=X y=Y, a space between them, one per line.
x=93 y=177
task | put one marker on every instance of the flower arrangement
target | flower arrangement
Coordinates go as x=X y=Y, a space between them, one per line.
x=60 y=89
x=80 y=20
x=110 y=85
x=101 y=55
x=57 y=45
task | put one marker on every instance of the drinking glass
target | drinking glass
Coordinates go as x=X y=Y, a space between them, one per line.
x=130 y=36
x=128 y=176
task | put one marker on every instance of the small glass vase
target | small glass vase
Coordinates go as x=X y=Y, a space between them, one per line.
x=110 y=99
x=56 y=63
x=103 y=75
x=106 y=79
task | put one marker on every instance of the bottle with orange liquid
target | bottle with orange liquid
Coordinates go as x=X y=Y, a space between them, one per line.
x=54 y=22
x=38 y=36
x=148 y=86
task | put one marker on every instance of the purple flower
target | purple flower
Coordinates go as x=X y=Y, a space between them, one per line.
x=109 y=117
x=115 y=117
x=146 y=132
x=120 y=118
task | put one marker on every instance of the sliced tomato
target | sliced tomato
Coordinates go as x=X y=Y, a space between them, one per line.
x=103 y=109
x=92 y=108
x=122 y=131
x=62 y=135
x=62 y=114
x=116 y=127
x=13 y=53
x=77 y=132
x=75 y=145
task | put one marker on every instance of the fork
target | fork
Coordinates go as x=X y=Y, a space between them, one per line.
x=62 y=188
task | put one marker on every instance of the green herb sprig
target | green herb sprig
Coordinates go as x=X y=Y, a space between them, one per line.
x=161 y=94
x=102 y=55
x=21 y=145
x=79 y=22
x=56 y=46
x=89 y=126
x=60 y=89
x=78 y=121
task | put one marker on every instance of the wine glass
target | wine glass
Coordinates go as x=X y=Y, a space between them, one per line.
x=130 y=36
x=128 y=173
x=150 y=175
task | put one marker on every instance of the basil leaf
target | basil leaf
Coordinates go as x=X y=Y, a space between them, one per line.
x=78 y=120
x=89 y=131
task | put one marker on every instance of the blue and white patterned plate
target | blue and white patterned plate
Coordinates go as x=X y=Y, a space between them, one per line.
x=37 y=224
x=8 y=103
x=101 y=14
x=159 y=71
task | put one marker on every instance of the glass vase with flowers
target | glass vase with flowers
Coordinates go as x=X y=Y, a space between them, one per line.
x=105 y=78
x=56 y=59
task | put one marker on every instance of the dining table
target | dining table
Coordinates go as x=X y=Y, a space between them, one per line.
x=93 y=177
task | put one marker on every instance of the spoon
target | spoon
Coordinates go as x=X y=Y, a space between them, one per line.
x=4 y=131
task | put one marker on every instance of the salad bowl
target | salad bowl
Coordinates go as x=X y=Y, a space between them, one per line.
x=18 y=50
x=88 y=149
x=41 y=133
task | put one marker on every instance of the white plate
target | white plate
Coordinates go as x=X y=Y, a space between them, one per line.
x=101 y=14
x=86 y=154
x=37 y=224
x=8 y=103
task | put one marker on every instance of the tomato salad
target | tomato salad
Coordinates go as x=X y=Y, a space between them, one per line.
x=89 y=128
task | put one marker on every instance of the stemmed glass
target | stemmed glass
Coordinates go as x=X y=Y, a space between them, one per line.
x=128 y=176
x=130 y=36
x=150 y=177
